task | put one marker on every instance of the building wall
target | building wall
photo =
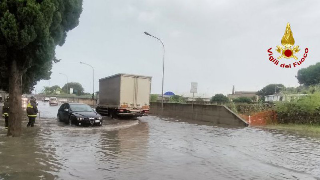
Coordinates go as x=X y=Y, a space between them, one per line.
x=87 y=101
x=209 y=113
x=238 y=94
x=233 y=96
x=90 y=102
x=283 y=97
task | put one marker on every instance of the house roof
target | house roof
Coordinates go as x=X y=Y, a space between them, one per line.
x=245 y=92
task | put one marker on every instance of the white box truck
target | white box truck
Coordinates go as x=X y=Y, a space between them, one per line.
x=124 y=95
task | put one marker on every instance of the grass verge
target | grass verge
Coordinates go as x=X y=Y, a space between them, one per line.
x=297 y=128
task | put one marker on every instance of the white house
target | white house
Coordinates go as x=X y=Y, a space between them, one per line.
x=283 y=97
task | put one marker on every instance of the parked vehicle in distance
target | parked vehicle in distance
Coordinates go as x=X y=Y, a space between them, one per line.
x=53 y=101
x=124 y=95
x=46 y=99
x=78 y=114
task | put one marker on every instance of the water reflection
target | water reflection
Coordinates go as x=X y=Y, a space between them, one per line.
x=26 y=157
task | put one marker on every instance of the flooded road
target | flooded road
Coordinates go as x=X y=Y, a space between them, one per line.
x=155 y=148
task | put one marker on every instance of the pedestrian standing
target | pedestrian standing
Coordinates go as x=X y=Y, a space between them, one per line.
x=5 y=112
x=32 y=111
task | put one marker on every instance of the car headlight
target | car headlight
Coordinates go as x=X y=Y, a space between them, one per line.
x=80 y=118
x=100 y=118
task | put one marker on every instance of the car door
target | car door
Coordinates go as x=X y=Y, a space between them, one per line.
x=60 y=112
x=65 y=112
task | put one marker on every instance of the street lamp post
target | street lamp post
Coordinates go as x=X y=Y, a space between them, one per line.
x=92 y=79
x=67 y=82
x=162 y=66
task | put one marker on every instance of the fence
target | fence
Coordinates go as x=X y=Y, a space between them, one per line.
x=260 y=118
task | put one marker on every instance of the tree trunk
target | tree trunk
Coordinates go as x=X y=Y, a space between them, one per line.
x=15 y=92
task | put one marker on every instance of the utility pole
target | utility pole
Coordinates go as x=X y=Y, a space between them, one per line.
x=92 y=81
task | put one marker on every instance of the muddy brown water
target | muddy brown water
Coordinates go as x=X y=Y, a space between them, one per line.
x=155 y=148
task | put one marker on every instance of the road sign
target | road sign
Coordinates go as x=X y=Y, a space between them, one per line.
x=194 y=87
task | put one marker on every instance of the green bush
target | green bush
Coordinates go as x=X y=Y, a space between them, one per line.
x=177 y=99
x=305 y=110
x=249 y=109
x=242 y=100
x=153 y=98
x=219 y=99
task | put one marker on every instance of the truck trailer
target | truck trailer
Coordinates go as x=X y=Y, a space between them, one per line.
x=123 y=95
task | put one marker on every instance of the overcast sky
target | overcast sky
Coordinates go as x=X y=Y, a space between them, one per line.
x=217 y=43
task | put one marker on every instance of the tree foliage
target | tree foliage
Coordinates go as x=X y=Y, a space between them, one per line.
x=302 y=89
x=29 y=33
x=77 y=88
x=310 y=75
x=242 y=100
x=271 y=89
x=53 y=90
x=199 y=99
x=177 y=99
x=219 y=98
x=153 y=98
x=30 y=30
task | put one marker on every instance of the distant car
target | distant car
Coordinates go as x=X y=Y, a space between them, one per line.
x=46 y=99
x=78 y=114
x=53 y=101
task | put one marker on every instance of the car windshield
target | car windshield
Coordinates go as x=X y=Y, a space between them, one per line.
x=80 y=108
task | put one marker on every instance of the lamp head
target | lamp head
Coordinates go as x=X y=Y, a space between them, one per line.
x=147 y=33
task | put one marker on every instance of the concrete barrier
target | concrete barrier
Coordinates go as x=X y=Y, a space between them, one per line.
x=75 y=99
x=87 y=101
x=209 y=113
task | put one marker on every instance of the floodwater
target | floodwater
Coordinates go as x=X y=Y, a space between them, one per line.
x=155 y=148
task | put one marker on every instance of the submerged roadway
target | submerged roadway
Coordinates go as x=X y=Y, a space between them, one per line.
x=155 y=148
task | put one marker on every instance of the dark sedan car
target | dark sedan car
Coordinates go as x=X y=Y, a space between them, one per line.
x=79 y=114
